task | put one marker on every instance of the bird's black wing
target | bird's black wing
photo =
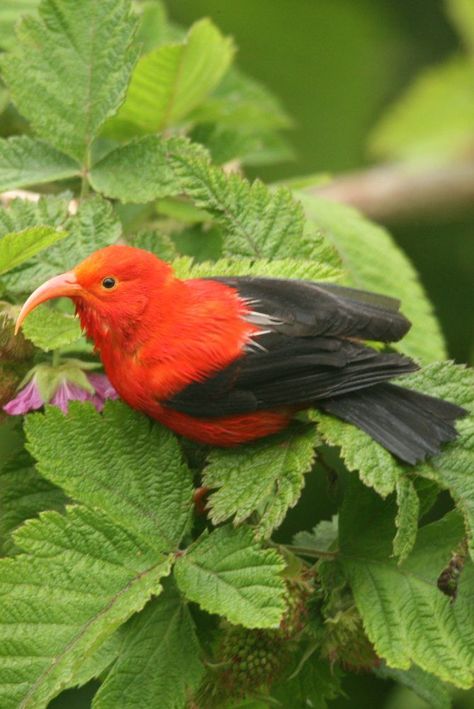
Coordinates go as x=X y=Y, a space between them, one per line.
x=289 y=371
x=303 y=308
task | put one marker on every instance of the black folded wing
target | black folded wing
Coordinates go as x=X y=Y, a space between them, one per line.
x=303 y=355
x=304 y=308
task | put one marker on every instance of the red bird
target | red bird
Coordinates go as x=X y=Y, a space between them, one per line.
x=228 y=360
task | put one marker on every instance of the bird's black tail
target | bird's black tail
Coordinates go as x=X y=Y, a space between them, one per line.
x=410 y=425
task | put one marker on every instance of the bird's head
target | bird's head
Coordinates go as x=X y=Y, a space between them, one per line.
x=112 y=288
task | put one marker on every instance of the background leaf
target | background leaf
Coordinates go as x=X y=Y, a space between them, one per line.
x=120 y=462
x=25 y=161
x=86 y=576
x=171 y=80
x=373 y=262
x=462 y=15
x=433 y=121
x=10 y=13
x=163 y=637
x=227 y=572
x=84 y=45
x=18 y=247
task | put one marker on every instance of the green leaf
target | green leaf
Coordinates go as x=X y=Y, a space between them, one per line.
x=120 y=462
x=462 y=16
x=141 y=170
x=155 y=28
x=10 y=13
x=69 y=69
x=406 y=521
x=23 y=495
x=25 y=161
x=80 y=577
x=427 y=686
x=405 y=615
x=312 y=270
x=433 y=121
x=18 y=247
x=227 y=572
x=313 y=686
x=258 y=223
x=50 y=329
x=323 y=536
x=163 y=637
x=373 y=262
x=21 y=214
x=93 y=227
x=173 y=79
x=265 y=477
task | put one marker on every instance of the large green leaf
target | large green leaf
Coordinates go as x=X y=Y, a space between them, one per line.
x=173 y=79
x=311 y=270
x=69 y=69
x=141 y=170
x=462 y=15
x=25 y=161
x=373 y=262
x=405 y=615
x=120 y=462
x=227 y=572
x=163 y=637
x=20 y=246
x=23 y=495
x=94 y=226
x=451 y=469
x=81 y=576
x=435 y=693
x=10 y=13
x=433 y=121
x=265 y=477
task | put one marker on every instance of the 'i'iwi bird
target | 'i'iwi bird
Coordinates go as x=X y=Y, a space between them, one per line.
x=227 y=360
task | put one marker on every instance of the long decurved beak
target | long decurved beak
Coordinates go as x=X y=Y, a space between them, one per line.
x=64 y=285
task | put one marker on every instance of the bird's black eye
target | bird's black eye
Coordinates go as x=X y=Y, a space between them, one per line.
x=108 y=282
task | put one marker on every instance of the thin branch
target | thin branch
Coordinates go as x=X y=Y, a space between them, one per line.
x=397 y=192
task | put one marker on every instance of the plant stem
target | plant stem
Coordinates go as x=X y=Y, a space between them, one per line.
x=56 y=358
x=311 y=552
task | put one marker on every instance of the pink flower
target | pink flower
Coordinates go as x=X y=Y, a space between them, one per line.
x=29 y=398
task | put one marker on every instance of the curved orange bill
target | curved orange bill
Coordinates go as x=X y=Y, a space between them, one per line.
x=64 y=285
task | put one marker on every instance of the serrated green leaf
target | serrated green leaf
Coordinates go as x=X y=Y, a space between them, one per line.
x=265 y=477
x=69 y=69
x=171 y=80
x=227 y=572
x=23 y=495
x=50 y=329
x=159 y=244
x=25 y=161
x=162 y=636
x=119 y=461
x=10 y=13
x=425 y=685
x=80 y=577
x=21 y=214
x=258 y=223
x=406 y=521
x=433 y=121
x=20 y=246
x=405 y=615
x=312 y=270
x=94 y=226
x=141 y=170
x=462 y=16
x=373 y=262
